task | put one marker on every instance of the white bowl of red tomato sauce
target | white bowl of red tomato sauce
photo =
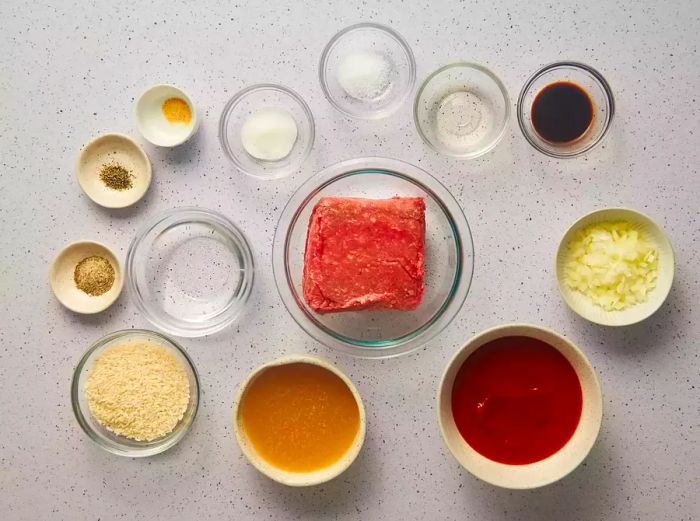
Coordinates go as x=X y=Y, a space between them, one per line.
x=519 y=406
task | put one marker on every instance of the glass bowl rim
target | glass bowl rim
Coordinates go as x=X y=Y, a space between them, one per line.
x=226 y=114
x=190 y=214
x=462 y=238
x=403 y=43
x=169 y=440
x=579 y=66
x=493 y=77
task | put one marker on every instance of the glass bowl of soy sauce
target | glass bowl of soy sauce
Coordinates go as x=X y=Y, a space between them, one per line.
x=565 y=109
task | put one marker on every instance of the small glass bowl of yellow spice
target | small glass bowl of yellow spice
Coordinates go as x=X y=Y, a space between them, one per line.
x=166 y=116
x=135 y=393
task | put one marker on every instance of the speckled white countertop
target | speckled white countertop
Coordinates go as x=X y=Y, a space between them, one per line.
x=73 y=70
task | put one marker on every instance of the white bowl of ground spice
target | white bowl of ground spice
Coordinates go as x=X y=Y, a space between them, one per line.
x=135 y=393
x=166 y=115
x=86 y=277
x=113 y=171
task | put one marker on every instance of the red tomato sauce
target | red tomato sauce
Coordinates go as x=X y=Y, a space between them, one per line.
x=516 y=400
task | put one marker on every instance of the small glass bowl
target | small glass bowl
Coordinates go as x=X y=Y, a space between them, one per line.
x=242 y=106
x=374 y=39
x=462 y=110
x=108 y=440
x=596 y=87
x=449 y=259
x=190 y=271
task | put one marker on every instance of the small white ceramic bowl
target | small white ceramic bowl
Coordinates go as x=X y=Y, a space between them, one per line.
x=298 y=479
x=582 y=305
x=152 y=123
x=61 y=277
x=542 y=472
x=113 y=149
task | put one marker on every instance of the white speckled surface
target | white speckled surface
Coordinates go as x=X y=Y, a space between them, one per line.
x=74 y=69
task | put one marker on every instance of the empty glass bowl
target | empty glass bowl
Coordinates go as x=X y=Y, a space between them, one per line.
x=461 y=110
x=190 y=271
x=597 y=89
x=448 y=259
x=108 y=440
x=367 y=71
x=247 y=102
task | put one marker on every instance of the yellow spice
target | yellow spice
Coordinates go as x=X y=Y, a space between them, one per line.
x=138 y=390
x=177 y=110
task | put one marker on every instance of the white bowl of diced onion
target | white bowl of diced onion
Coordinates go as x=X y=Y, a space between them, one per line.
x=615 y=267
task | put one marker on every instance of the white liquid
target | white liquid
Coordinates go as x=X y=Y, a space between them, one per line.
x=269 y=134
x=462 y=119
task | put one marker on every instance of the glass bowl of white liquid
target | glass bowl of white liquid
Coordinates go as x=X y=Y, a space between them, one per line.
x=462 y=110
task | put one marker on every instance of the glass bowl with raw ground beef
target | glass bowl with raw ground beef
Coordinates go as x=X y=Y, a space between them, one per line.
x=373 y=256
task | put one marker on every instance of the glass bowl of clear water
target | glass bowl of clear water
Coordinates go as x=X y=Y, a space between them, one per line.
x=190 y=271
x=462 y=110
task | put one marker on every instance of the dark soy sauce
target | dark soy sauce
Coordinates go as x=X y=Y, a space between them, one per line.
x=562 y=112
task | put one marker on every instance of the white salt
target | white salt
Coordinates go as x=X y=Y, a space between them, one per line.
x=364 y=75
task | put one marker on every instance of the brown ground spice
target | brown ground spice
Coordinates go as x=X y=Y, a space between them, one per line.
x=94 y=275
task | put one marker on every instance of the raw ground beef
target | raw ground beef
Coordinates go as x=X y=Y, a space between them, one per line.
x=365 y=254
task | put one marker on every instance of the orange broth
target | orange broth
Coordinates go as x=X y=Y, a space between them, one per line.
x=299 y=417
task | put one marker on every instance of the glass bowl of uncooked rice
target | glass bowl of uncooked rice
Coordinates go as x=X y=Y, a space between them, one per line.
x=135 y=393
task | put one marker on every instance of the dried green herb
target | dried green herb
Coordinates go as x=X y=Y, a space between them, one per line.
x=116 y=177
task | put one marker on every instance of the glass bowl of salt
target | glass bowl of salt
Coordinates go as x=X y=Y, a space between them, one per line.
x=367 y=71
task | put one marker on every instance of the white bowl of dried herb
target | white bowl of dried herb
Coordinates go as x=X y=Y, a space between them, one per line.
x=86 y=277
x=113 y=171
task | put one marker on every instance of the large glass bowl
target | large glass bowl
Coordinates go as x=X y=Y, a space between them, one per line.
x=449 y=254
x=105 y=438
x=190 y=271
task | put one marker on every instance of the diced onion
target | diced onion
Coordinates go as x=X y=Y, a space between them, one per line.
x=612 y=264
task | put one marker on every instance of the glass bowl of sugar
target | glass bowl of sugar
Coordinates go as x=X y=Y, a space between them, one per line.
x=367 y=71
x=461 y=110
